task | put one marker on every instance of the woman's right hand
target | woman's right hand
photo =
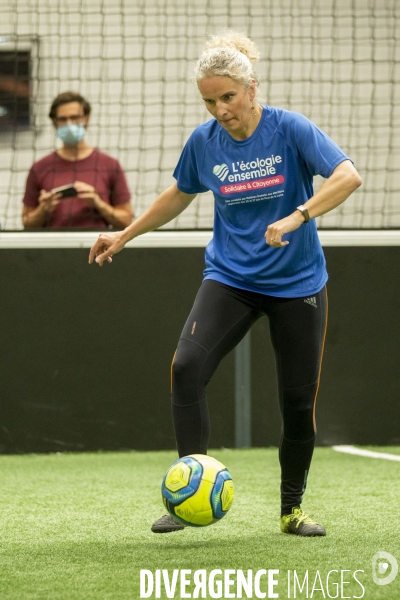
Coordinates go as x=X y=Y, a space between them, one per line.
x=169 y=204
x=105 y=246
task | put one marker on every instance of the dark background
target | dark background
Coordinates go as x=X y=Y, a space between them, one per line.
x=15 y=67
x=86 y=352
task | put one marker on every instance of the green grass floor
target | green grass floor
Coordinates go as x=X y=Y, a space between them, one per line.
x=77 y=526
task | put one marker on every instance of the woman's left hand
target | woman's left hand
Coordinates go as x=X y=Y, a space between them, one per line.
x=275 y=231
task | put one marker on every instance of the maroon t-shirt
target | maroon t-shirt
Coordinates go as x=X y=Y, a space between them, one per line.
x=99 y=170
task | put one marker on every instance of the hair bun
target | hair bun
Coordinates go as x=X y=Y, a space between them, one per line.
x=228 y=38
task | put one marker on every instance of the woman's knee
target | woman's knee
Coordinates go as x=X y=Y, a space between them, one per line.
x=186 y=372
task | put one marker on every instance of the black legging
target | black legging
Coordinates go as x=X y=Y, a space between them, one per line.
x=220 y=318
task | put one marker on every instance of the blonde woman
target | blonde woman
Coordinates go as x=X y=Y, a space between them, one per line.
x=265 y=257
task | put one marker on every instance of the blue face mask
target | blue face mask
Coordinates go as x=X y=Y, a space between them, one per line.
x=71 y=134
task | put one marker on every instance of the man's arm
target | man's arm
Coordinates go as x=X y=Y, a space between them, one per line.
x=36 y=216
x=118 y=216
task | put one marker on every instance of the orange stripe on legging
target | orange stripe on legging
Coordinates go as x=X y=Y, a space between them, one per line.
x=320 y=362
x=172 y=364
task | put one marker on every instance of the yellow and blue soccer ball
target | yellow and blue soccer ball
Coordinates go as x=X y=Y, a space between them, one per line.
x=197 y=490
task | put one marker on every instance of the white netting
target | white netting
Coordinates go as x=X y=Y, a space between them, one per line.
x=335 y=61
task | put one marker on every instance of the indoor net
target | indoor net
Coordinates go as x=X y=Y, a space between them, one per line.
x=335 y=61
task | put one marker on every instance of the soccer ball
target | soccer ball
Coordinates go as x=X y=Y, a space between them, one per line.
x=197 y=490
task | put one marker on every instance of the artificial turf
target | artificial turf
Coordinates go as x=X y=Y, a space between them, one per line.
x=77 y=526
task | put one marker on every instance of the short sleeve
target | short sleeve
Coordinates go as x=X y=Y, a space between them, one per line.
x=32 y=189
x=188 y=170
x=120 y=193
x=319 y=152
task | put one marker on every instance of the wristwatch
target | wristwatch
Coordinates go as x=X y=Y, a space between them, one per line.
x=303 y=210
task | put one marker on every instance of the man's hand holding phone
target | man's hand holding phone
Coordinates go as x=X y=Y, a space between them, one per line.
x=48 y=201
x=88 y=193
x=65 y=191
x=78 y=189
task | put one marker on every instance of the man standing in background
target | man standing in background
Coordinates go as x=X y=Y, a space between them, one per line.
x=95 y=194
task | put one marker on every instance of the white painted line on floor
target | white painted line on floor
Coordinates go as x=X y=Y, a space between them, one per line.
x=367 y=453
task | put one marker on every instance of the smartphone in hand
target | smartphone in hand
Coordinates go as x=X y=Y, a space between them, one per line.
x=66 y=191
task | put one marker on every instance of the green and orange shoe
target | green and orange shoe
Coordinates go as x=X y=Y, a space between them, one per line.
x=299 y=523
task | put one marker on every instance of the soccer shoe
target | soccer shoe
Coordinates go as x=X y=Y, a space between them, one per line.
x=166 y=524
x=300 y=524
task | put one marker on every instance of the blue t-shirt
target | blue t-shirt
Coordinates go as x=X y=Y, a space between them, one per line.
x=256 y=182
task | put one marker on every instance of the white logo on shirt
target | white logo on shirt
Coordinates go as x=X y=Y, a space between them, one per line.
x=221 y=171
x=243 y=171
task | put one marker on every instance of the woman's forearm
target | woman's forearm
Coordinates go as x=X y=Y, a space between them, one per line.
x=164 y=209
x=343 y=181
x=335 y=190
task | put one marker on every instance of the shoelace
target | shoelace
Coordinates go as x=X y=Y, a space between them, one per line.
x=301 y=517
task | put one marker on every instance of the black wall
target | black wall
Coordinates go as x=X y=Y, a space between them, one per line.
x=86 y=351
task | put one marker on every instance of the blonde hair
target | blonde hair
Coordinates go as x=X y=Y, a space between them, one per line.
x=229 y=54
